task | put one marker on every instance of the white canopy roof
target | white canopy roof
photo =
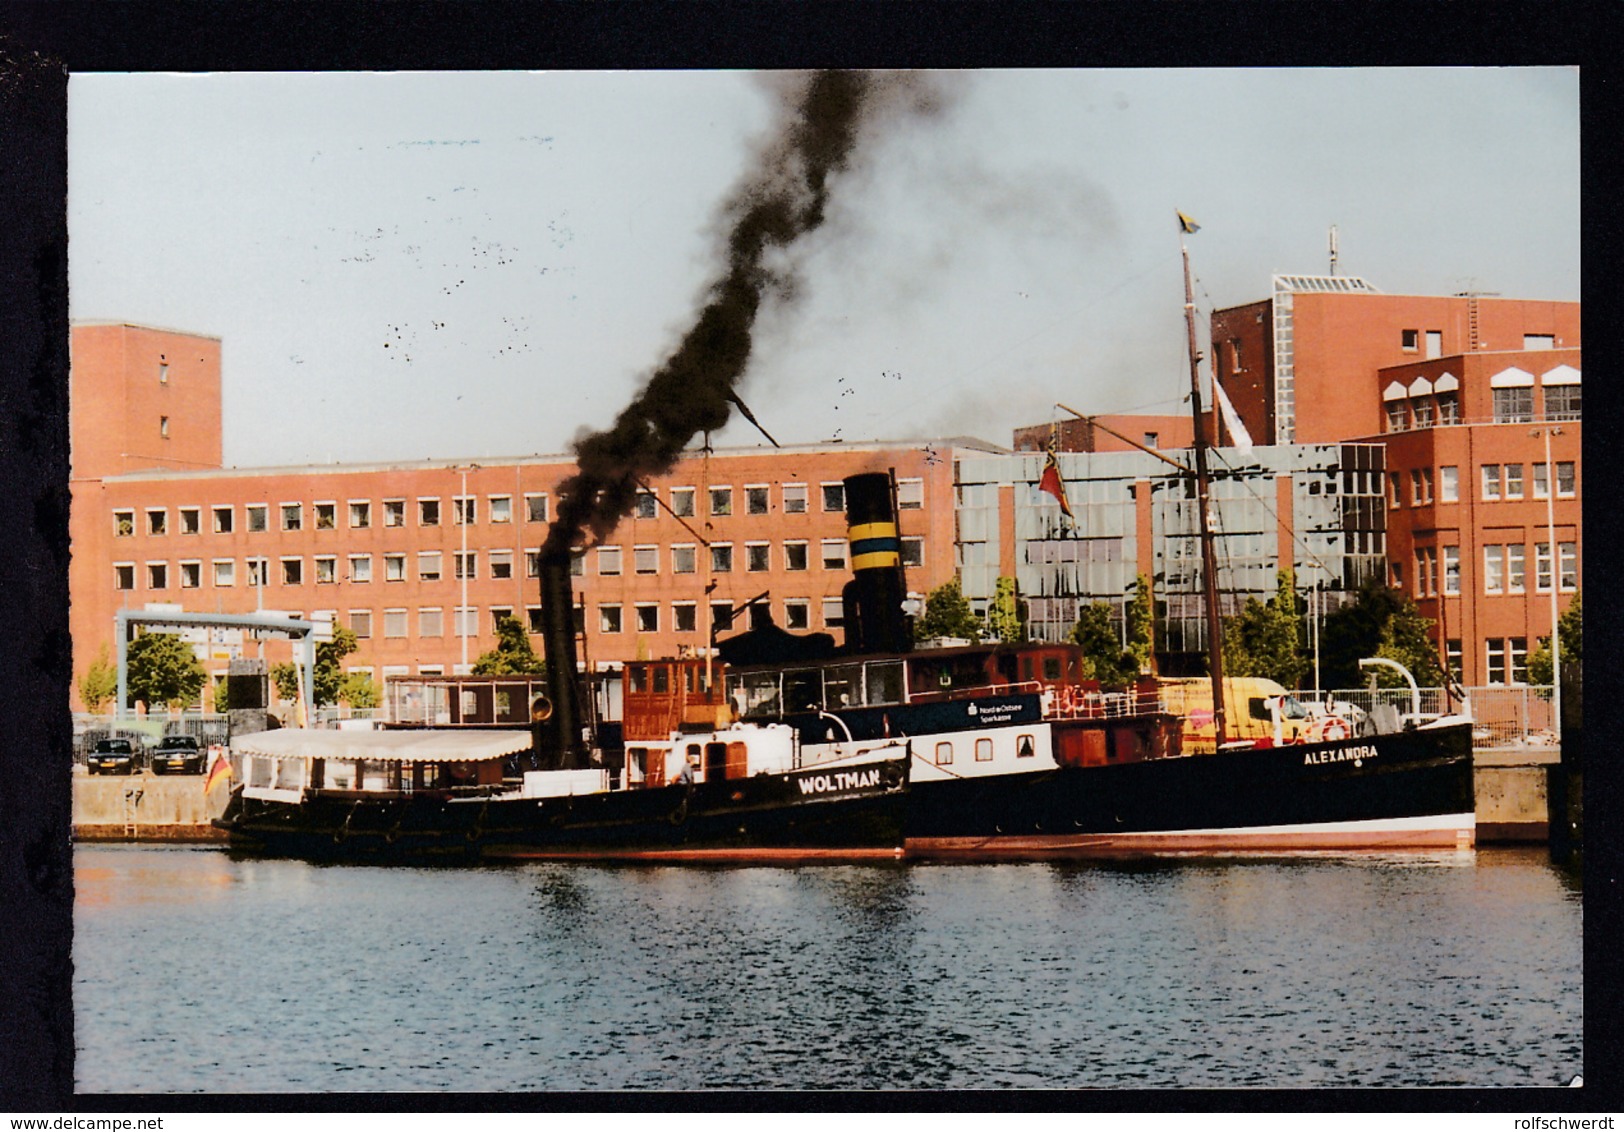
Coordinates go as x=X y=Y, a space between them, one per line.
x=1511 y=377
x=1446 y=383
x=1420 y=387
x=1561 y=375
x=398 y=746
x=1395 y=391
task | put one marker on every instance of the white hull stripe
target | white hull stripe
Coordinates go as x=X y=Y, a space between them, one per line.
x=1435 y=831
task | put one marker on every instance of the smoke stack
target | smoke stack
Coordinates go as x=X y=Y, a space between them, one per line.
x=873 y=599
x=559 y=740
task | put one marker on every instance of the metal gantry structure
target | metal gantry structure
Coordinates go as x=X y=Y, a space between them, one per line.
x=304 y=633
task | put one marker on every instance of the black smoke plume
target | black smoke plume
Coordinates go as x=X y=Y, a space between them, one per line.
x=825 y=117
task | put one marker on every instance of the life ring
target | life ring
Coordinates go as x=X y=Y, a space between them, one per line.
x=1335 y=728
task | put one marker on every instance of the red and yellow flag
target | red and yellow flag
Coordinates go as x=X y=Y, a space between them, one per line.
x=220 y=769
x=1053 y=484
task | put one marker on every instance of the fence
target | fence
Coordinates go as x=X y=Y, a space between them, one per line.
x=1514 y=715
x=145 y=731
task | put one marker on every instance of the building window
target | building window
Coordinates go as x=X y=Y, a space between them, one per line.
x=1515 y=572
x=1397 y=416
x=123 y=524
x=1451 y=569
x=428 y=512
x=1409 y=339
x=1542 y=567
x=360 y=514
x=1421 y=411
x=259 y=571
x=797 y=614
x=1395 y=572
x=1539 y=341
x=394 y=567
x=1565 y=479
x=1562 y=402
x=1495 y=648
x=1494 y=568
x=1426 y=578
x=910 y=495
x=191 y=575
x=326 y=570
x=648 y=619
x=163 y=427
x=795 y=499
x=683 y=616
x=465 y=619
x=430 y=623
x=465 y=565
x=608 y=561
x=190 y=520
x=944 y=754
x=1569 y=552
x=721 y=557
x=721 y=501
x=608 y=618
x=1542 y=482
x=361 y=568
x=756 y=557
x=1514 y=481
x=834 y=613
x=256 y=517
x=1449 y=484
x=163 y=373
x=157 y=522
x=501 y=564
x=1395 y=483
x=292 y=516
x=795 y=555
x=533 y=621
x=361 y=623
x=913 y=551
x=501 y=508
x=124 y=575
x=721 y=616
x=834 y=554
x=157 y=575
x=1491 y=481
x=683 y=559
x=394 y=512
x=463 y=510
x=984 y=748
x=1435 y=343
x=428 y=566
x=755 y=500
x=394 y=623
x=222 y=520
x=326 y=516
x=535 y=508
x=578 y=563
x=225 y=572
x=645 y=506
x=292 y=571
x=1514 y=405
x=1448 y=408
x=646 y=559
x=1415 y=486
x=834 y=496
x=532 y=563
x=682 y=502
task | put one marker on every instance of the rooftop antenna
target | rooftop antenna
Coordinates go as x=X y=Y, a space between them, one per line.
x=1333 y=249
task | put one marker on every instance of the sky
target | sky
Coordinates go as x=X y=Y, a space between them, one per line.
x=407 y=266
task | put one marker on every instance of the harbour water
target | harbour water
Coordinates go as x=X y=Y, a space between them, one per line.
x=197 y=972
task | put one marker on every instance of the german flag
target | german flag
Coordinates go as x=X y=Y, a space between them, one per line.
x=1186 y=224
x=220 y=769
x=1053 y=484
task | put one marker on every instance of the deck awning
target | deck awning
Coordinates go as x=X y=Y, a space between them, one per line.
x=442 y=746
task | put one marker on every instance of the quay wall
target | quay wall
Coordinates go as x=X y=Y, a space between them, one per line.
x=1511 y=788
x=145 y=807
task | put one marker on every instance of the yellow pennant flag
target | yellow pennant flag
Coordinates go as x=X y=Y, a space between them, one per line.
x=1186 y=224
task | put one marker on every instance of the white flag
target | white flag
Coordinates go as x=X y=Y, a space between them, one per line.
x=1232 y=419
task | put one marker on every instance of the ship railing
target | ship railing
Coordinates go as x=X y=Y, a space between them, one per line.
x=1066 y=702
x=1503 y=715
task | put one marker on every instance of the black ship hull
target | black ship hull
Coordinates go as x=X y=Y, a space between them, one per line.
x=1411 y=790
x=805 y=815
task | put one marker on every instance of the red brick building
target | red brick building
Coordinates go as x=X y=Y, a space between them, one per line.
x=421 y=558
x=1074 y=435
x=1461 y=389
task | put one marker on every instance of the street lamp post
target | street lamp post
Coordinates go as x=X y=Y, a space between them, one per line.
x=1556 y=580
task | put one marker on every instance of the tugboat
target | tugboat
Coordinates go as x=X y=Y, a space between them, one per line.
x=693 y=785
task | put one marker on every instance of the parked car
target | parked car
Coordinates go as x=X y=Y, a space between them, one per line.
x=113 y=756
x=178 y=754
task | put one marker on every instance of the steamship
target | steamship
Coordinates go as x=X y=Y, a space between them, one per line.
x=687 y=783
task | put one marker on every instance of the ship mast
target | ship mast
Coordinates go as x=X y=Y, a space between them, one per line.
x=1209 y=569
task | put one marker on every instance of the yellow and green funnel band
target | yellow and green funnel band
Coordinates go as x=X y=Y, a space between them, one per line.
x=874 y=545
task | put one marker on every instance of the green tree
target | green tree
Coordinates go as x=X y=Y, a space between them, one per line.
x=1266 y=638
x=358 y=690
x=329 y=654
x=286 y=678
x=947 y=614
x=512 y=655
x=222 y=694
x=99 y=684
x=1378 y=622
x=1006 y=616
x=1104 y=658
x=1571 y=627
x=1141 y=618
x=162 y=669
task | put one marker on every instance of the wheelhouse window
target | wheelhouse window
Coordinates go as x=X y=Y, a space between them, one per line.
x=944 y=754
